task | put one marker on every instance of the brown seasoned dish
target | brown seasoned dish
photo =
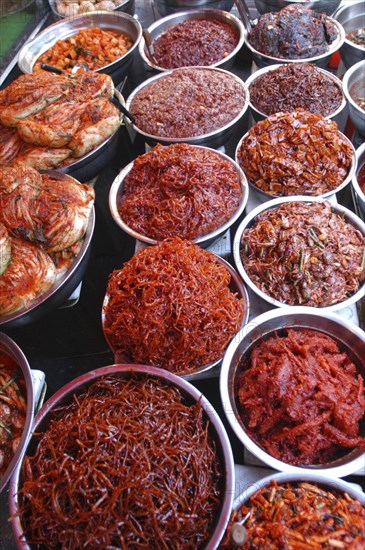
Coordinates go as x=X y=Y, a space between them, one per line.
x=188 y=102
x=195 y=42
x=357 y=37
x=298 y=153
x=304 y=253
x=301 y=398
x=295 y=85
x=293 y=33
x=300 y=515
x=361 y=178
x=171 y=306
x=128 y=463
x=179 y=190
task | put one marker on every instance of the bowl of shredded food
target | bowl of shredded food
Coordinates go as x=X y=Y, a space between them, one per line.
x=124 y=456
x=297 y=511
x=293 y=386
x=183 y=190
x=196 y=105
x=302 y=251
x=201 y=37
x=97 y=41
x=174 y=305
x=16 y=406
x=285 y=87
x=358 y=181
x=354 y=89
x=296 y=153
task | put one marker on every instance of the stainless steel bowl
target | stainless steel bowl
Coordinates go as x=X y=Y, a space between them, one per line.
x=352 y=17
x=354 y=85
x=236 y=286
x=341 y=210
x=216 y=429
x=262 y=196
x=350 y=337
x=214 y=139
x=339 y=116
x=117 y=190
x=165 y=7
x=320 y=6
x=10 y=348
x=327 y=482
x=116 y=21
x=127 y=6
x=360 y=156
x=262 y=60
x=62 y=288
x=162 y=25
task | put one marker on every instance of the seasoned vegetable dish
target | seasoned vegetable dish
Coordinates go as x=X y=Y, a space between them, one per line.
x=303 y=253
x=299 y=516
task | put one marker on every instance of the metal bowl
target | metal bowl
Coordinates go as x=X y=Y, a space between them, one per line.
x=9 y=347
x=216 y=429
x=214 y=139
x=350 y=337
x=339 y=116
x=360 y=156
x=165 y=7
x=126 y=6
x=262 y=60
x=236 y=286
x=263 y=196
x=326 y=482
x=117 y=190
x=117 y=21
x=248 y=222
x=162 y=25
x=352 y=17
x=62 y=288
x=320 y=6
x=354 y=84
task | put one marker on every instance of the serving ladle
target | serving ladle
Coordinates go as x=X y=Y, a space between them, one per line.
x=239 y=532
x=244 y=13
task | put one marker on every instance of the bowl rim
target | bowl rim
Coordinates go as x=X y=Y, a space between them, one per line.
x=336 y=484
x=333 y=47
x=263 y=70
x=360 y=151
x=189 y=139
x=336 y=471
x=202 y=13
x=351 y=217
x=88 y=20
x=351 y=170
x=119 y=181
x=342 y=9
x=123 y=370
x=345 y=84
x=240 y=289
x=4 y=319
x=10 y=347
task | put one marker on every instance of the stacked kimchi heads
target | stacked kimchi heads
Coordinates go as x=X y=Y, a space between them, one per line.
x=46 y=223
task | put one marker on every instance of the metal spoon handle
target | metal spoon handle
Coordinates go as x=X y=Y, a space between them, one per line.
x=244 y=13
